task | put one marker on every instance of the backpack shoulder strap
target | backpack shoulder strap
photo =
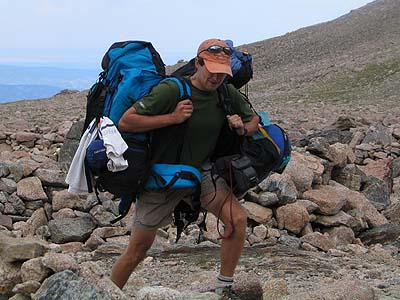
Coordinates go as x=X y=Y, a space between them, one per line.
x=225 y=101
x=180 y=129
x=184 y=89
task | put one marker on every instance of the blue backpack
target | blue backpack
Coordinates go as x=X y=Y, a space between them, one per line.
x=241 y=65
x=130 y=70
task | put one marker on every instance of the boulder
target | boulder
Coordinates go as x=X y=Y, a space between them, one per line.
x=345 y=289
x=67 y=285
x=30 y=189
x=71 y=229
x=383 y=234
x=20 y=249
x=329 y=200
x=293 y=217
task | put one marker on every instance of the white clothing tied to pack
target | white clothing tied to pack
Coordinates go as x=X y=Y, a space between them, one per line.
x=115 y=147
x=76 y=177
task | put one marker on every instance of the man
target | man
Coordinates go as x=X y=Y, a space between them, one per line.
x=204 y=118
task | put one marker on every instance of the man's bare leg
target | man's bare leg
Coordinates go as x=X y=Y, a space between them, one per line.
x=232 y=245
x=140 y=241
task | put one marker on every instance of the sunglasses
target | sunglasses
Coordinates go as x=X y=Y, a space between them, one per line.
x=217 y=49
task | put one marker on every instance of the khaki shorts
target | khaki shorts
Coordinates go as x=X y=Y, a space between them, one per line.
x=154 y=209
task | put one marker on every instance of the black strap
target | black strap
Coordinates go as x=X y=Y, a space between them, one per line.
x=225 y=100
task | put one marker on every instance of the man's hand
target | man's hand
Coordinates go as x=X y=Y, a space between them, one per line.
x=183 y=111
x=235 y=122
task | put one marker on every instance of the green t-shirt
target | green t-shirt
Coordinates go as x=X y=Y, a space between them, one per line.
x=202 y=128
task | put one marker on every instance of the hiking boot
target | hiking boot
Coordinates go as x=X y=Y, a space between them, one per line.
x=227 y=293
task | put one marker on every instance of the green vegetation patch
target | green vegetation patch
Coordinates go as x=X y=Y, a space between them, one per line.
x=350 y=84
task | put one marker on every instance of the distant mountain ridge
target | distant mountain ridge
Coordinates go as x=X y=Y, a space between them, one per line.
x=17 y=92
x=18 y=83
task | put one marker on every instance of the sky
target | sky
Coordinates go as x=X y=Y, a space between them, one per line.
x=76 y=33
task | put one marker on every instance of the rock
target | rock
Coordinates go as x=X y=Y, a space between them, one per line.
x=341 y=154
x=358 y=201
x=159 y=293
x=6 y=221
x=260 y=231
x=379 y=252
x=58 y=262
x=70 y=145
x=164 y=293
x=350 y=176
x=300 y=171
x=51 y=177
x=10 y=275
x=64 y=199
x=248 y=286
x=34 y=205
x=341 y=235
x=282 y=185
x=290 y=241
x=14 y=205
x=378 y=134
x=396 y=168
x=94 y=241
x=333 y=135
x=329 y=200
x=96 y=275
x=275 y=289
x=4 y=170
x=358 y=136
x=28 y=166
x=27 y=288
x=292 y=217
x=345 y=289
x=377 y=192
x=257 y=212
x=319 y=146
x=71 y=229
x=63 y=213
x=67 y=285
x=37 y=220
x=267 y=199
x=34 y=269
x=30 y=189
x=319 y=241
x=345 y=123
x=381 y=169
x=107 y=232
x=341 y=218
x=307 y=204
x=381 y=234
x=392 y=213
x=20 y=249
x=101 y=216
x=28 y=138
x=8 y=185
x=20 y=297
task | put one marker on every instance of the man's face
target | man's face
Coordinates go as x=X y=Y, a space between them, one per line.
x=208 y=81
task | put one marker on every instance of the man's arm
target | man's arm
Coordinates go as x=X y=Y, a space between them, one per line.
x=247 y=128
x=131 y=121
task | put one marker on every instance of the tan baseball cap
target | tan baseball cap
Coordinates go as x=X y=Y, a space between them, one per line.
x=214 y=52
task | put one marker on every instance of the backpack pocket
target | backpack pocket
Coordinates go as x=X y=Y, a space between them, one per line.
x=244 y=174
x=127 y=182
